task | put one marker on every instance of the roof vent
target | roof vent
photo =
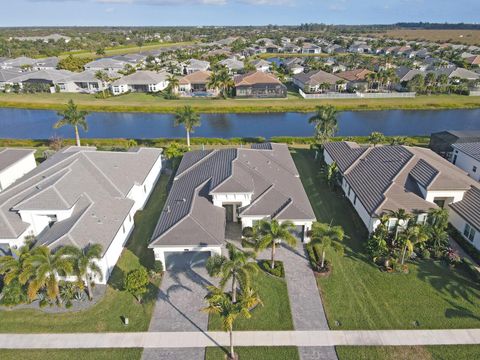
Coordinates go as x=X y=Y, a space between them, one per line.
x=168 y=208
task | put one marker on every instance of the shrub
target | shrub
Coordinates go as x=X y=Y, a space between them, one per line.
x=278 y=270
x=13 y=294
x=425 y=254
x=247 y=232
x=158 y=267
x=136 y=282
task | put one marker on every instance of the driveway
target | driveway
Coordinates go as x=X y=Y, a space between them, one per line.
x=179 y=303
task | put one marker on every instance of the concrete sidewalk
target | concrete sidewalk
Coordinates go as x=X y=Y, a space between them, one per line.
x=199 y=339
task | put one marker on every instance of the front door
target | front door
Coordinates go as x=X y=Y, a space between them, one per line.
x=229 y=212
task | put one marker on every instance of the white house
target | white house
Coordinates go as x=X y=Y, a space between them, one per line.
x=194 y=65
x=141 y=81
x=83 y=82
x=465 y=216
x=467 y=157
x=383 y=179
x=262 y=65
x=80 y=196
x=215 y=189
x=14 y=163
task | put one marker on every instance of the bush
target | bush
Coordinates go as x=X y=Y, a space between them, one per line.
x=278 y=270
x=247 y=232
x=13 y=294
x=158 y=267
x=136 y=282
x=425 y=254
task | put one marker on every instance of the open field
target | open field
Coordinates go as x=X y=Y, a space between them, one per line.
x=137 y=102
x=106 y=315
x=274 y=315
x=120 y=50
x=468 y=37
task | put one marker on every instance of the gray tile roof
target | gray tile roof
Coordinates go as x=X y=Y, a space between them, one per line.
x=268 y=172
x=472 y=149
x=468 y=207
x=317 y=77
x=9 y=156
x=94 y=185
x=145 y=77
x=389 y=177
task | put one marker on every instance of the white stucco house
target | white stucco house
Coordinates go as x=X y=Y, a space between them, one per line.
x=382 y=179
x=141 y=81
x=80 y=196
x=214 y=189
x=467 y=157
x=14 y=163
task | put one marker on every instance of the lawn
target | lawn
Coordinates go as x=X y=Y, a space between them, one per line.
x=78 y=354
x=274 y=315
x=452 y=352
x=359 y=296
x=149 y=103
x=106 y=315
x=254 y=353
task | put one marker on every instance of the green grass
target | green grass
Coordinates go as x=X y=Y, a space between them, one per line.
x=78 y=354
x=274 y=315
x=444 y=352
x=106 y=315
x=255 y=353
x=139 y=102
x=361 y=297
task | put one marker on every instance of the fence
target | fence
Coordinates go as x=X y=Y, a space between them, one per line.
x=357 y=95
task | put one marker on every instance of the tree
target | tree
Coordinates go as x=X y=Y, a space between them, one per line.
x=236 y=267
x=85 y=264
x=270 y=233
x=438 y=218
x=438 y=238
x=400 y=215
x=187 y=117
x=42 y=270
x=398 y=140
x=73 y=117
x=136 y=282
x=326 y=236
x=332 y=173
x=376 y=138
x=412 y=236
x=173 y=83
x=11 y=267
x=221 y=304
x=100 y=51
x=325 y=122
x=104 y=78
x=71 y=63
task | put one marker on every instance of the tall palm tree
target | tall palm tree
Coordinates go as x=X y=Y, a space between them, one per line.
x=11 y=267
x=438 y=218
x=400 y=215
x=104 y=78
x=326 y=236
x=412 y=236
x=225 y=81
x=271 y=232
x=236 y=267
x=325 y=121
x=73 y=117
x=42 y=271
x=85 y=264
x=221 y=304
x=214 y=81
x=173 y=83
x=187 y=117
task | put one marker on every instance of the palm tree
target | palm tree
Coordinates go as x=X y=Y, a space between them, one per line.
x=325 y=121
x=173 y=83
x=412 y=236
x=221 y=304
x=400 y=215
x=271 y=232
x=236 y=267
x=189 y=119
x=376 y=138
x=43 y=269
x=85 y=264
x=225 y=81
x=438 y=218
x=438 y=237
x=73 y=117
x=326 y=236
x=104 y=78
x=332 y=172
x=11 y=267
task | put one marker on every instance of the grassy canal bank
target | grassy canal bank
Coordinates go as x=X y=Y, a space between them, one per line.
x=138 y=102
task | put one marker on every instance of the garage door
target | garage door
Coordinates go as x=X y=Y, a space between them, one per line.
x=186 y=259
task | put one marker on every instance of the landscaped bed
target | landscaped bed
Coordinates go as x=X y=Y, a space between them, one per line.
x=357 y=295
x=117 y=303
x=273 y=315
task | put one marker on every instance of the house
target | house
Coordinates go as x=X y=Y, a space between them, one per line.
x=380 y=180
x=8 y=77
x=83 y=82
x=194 y=65
x=80 y=196
x=442 y=142
x=356 y=79
x=467 y=157
x=315 y=81
x=14 y=163
x=47 y=78
x=473 y=60
x=196 y=84
x=215 y=189
x=261 y=65
x=360 y=48
x=308 y=48
x=457 y=73
x=18 y=63
x=233 y=65
x=259 y=85
x=45 y=39
x=49 y=63
x=107 y=64
x=296 y=69
x=291 y=48
x=464 y=216
x=141 y=81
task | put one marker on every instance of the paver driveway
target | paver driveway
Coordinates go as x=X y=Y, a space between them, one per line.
x=179 y=303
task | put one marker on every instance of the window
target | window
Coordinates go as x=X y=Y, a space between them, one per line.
x=454 y=159
x=123 y=228
x=469 y=232
x=474 y=169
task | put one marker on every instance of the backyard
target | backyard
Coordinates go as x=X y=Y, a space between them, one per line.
x=357 y=295
x=106 y=316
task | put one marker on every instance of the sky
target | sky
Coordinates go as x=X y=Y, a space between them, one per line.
x=232 y=12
